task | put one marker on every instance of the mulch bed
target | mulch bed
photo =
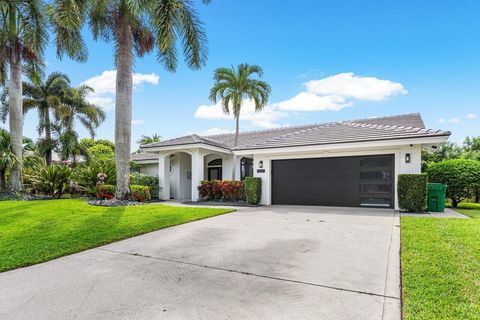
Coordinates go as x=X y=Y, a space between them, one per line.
x=221 y=203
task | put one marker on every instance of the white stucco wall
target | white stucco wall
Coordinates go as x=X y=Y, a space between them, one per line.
x=399 y=153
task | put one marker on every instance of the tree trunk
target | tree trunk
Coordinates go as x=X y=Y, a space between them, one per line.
x=48 y=137
x=16 y=119
x=3 y=183
x=454 y=203
x=123 y=109
x=237 y=132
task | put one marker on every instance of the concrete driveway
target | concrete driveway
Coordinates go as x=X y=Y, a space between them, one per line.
x=278 y=262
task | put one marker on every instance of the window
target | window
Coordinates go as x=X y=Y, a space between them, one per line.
x=215 y=169
x=246 y=168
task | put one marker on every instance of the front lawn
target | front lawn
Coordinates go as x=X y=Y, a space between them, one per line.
x=440 y=268
x=37 y=231
x=469 y=209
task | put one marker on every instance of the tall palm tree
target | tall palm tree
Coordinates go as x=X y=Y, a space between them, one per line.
x=135 y=27
x=22 y=39
x=45 y=96
x=233 y=85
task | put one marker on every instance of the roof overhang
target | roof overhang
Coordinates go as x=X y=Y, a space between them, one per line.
x=388 y=143
x=181 y=147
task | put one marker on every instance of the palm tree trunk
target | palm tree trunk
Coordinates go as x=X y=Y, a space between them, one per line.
x=123 y=109
x=48 y=137
x=16 y=119
x=237 y=132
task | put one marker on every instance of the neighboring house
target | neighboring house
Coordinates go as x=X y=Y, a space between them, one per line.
x=344 y=163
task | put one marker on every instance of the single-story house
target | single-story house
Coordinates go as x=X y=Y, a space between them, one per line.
x=345 y=163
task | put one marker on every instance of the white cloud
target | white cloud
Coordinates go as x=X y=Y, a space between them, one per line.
x=210 y=131
x=441 y=120
x=137 y=122
x=472 y=116
x=307 y=101
x=349 y=85
x=339 y=91
x=265 y=118
x=454 y=120
x=104 y=86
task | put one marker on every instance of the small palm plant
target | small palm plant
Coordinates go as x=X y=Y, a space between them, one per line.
x=234 y=85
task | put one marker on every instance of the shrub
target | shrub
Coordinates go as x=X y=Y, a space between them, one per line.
x=53 y=180
x=140 y=193
x=146 y=180
x=87 y=175
x=224 y=190
x=461 y=176
x=105 y=191
x=412 y=192
x=253 y=189
x=210 y=190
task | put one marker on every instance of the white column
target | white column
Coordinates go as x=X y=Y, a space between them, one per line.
x=197 y=172
x=164 y=177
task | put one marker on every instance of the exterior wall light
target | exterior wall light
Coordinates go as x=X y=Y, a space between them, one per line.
x=260 y=164
x=407 y=158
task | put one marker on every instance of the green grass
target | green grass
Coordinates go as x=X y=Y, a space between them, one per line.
x=36 y=231
x=469 y=209
x=440 y=268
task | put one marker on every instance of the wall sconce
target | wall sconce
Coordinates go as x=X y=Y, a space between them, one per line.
x=260 y=164
x=407 y=158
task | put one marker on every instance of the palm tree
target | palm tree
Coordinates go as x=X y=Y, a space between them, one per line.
x=45 y=97
x=149 y=139
x=22 y=39
x=234 y=85
x=74 y=106
x=7 y=157
x=135 y=27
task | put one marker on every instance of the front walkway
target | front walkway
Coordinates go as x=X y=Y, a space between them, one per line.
x=275 y=262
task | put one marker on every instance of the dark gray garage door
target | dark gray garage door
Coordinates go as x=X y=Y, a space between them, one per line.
x=343 y=181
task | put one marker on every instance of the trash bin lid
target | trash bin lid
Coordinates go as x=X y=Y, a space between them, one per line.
x=436 y=186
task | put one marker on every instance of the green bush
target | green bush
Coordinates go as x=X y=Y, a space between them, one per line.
x=87 y=175
x=53 y=180
x=461 y=176
x=146 y=180
x=253 y=189
x=140 y=193
x=412 y=192
x=105 y=191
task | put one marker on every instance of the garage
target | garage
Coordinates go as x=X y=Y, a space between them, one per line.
x=361 y=181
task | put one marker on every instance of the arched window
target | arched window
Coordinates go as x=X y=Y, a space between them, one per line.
x=215 y=169
x=246 y=168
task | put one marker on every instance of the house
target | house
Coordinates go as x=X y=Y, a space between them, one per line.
x=345 y=163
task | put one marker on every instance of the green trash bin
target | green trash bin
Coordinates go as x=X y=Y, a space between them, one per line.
x=436 y=197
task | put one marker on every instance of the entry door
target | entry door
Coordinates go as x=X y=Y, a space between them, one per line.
x=342 y=181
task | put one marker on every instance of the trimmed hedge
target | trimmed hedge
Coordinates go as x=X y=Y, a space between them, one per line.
x=253 y=189
x=146 y=180
x=137 y=193
x=412 y=192
x=222 y=190
x=140 y=193
x=461 y=176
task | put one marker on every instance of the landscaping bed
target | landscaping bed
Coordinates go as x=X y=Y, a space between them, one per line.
x=222 y=203
x=36 y=231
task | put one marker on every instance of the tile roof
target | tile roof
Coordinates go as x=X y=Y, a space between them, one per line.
x=382 y=128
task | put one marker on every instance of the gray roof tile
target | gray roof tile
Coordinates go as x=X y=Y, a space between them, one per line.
x=384 y=128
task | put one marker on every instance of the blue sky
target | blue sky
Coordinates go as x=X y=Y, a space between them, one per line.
x=325 y=61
